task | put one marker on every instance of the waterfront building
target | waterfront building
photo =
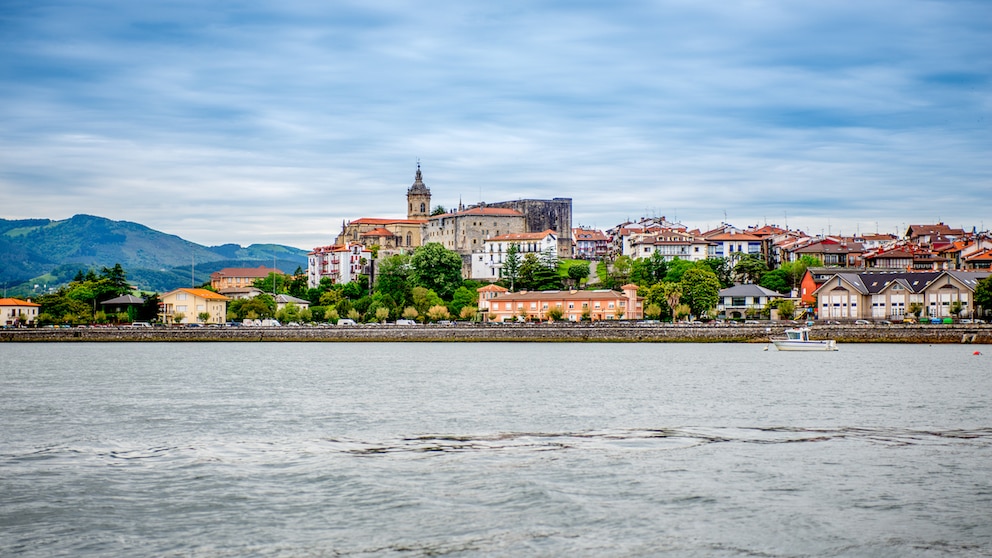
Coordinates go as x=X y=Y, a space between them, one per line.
x=596 y=305
x=188 y=304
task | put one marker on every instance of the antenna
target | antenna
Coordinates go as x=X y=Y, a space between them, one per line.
x=192 y=270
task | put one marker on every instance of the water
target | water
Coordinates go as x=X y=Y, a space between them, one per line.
x=327 y=449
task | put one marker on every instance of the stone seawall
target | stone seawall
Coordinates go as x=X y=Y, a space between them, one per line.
x=561 y=332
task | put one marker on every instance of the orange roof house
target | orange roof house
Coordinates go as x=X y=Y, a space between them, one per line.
x=500 y=306
x=17 y=312
x=186 y=306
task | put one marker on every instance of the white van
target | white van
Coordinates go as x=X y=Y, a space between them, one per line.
x=405 y=322
x=346 y=321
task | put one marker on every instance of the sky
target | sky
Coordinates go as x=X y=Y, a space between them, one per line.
x=240 y=121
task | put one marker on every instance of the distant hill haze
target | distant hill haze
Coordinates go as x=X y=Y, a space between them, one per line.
x=40 y=253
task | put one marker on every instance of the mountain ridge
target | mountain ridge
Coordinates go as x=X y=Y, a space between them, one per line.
x=44 y=253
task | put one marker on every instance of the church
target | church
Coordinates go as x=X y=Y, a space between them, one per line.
x=392 y=235
x=464 y=230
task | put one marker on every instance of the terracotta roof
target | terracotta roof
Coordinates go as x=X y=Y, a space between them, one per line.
x=380 y=221
x=201 y=293
x=493 y=289
x=561 y=295
x=523 y=236
x=16 y=302
x=732 y=236
x=379 y=232
x=259 y=272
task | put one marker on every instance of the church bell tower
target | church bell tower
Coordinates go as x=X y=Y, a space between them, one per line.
x=418 y=198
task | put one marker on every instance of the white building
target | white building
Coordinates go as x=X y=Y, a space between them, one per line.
x=342 y=264
x=486 y=264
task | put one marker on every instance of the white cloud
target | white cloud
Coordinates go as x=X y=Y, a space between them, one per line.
x=272 y=122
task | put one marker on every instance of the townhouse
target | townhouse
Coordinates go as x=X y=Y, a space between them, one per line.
x=889 y=295
x=498 y=305
x=590 y=244
x=340 y=264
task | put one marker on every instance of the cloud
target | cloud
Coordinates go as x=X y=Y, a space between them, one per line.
x=273 y=122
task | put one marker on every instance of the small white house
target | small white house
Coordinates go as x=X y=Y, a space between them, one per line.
x=486 y=265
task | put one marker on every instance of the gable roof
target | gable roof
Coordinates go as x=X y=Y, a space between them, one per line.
x=201 y=293
x=523 y=236
x=481 y=211
x=17 y=302
x=126 y=299
x=260 y=272
x=382 y=221
x=749 y=289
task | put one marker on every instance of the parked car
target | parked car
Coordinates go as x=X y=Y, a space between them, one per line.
x=883 y=322
x=346 y=321
x=405 y=322
x=862 y=322
x=141 y=324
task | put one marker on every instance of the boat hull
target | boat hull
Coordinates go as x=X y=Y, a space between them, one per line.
x=791 y=345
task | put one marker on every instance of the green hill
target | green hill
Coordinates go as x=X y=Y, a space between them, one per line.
x=40 y=253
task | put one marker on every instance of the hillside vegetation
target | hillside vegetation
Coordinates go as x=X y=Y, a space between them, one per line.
x=40 y=253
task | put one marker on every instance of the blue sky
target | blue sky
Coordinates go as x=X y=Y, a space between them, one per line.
x=259 y=121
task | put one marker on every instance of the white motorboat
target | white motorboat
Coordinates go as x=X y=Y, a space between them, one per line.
x=798 y=340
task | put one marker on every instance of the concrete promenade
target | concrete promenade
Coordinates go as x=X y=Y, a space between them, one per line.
x=610 y=332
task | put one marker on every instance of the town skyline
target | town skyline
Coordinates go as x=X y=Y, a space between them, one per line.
x=269 y=122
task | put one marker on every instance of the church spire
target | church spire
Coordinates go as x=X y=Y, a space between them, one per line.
x=418 y=197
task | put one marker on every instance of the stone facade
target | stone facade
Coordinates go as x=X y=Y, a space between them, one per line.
x=539 y=215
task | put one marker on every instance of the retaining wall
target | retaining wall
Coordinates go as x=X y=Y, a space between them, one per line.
x=561 y=332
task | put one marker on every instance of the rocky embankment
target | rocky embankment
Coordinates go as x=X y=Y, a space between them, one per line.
x=612 y=332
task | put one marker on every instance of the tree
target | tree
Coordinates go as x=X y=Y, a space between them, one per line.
x=652 y=311
x=510 y=271
x=648 y=271
x=673 y=294
x=956 y=308
x=556 y=313
x=203 y=317
x=622 y=267
x=463 y=298
x=721 y=268
x=437 y=268
x=915 y=308
x=983 y=295
x=528 y=270
x=381 y=314
x=750 y=269
x=273 y=283
x=410 y=313
x=700 y=289
x=776 y=280
x=178 y=317
x=577 y=272
x=116 y=278
x=438 y=210
x=393 y=278
x=438 y=312
x=424 y=299
x=676 y=268
x=469 y=313
x=786 y=309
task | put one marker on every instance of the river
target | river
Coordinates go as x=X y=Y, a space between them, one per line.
x=501 y=449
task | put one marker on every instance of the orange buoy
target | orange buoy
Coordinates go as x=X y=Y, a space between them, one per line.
x=977 y=353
